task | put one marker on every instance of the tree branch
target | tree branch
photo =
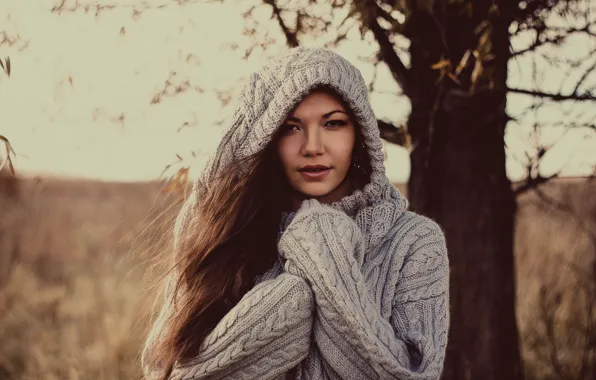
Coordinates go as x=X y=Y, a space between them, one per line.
x=393 y=134
x=556 y=60
x=291 y=37
x=558 y=39
x=573 y=125
x=532 y=183
x=557 y=97
x=396 y=26
x=10 y=154
x=388 y=55
x=137 y=8
x=531 y=10
x=585 y=75
x=534 y=178
x=583 y=29
x=537 y=43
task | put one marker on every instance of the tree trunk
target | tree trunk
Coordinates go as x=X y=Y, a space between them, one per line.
x=458 y=178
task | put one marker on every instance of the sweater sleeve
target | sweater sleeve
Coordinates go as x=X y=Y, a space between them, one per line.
x=326 y=247
x=263 y=336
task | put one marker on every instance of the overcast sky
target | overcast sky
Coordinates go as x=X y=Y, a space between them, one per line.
x=79 y=99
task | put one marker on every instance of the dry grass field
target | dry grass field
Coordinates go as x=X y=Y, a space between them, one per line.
x=555 y=249
x=76 y=302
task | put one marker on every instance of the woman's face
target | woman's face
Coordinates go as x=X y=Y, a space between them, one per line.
x=315 y=147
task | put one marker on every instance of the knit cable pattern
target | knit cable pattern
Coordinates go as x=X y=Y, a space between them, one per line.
x=263 y=336
x=361 y=287
x=323 y=243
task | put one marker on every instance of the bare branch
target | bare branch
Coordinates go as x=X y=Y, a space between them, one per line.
x=584 y=29
x=371 y=86
x=532 y=8
x=10 y=153
x=171 y=88
x=532 y=182
x=581 y=80
x=6 y=66
x=388 y=55
x=537 y=43
x=396 y=26
x=138 y=8
x=562 y=34
x=557 y=60
x=564 y=118
x=5 y=38
x=557 y=97
x=574 y=125
x=534 y=178
x=291 y=37
x=393 y=134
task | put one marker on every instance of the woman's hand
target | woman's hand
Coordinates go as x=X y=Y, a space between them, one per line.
x=316 y=226
x=326 y=248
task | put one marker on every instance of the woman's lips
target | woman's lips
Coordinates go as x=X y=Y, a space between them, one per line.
x=315 y=175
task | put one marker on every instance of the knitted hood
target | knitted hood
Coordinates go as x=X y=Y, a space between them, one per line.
x=271 y=93
x=343 y=304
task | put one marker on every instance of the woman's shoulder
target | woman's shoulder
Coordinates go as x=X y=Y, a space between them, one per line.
x=418 y=246
x=414 y=250
x=413 y=231
x=410 y=222
x=407 y=232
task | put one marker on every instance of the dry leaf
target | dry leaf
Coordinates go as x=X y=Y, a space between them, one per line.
x=463 y=62
x=9 y=153
x=453 y=78
x=441 y=64
x=476 y=73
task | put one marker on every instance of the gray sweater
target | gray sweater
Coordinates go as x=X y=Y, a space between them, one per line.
x=361 y=287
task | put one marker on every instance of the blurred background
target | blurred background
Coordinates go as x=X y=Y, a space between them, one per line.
x=108 y=108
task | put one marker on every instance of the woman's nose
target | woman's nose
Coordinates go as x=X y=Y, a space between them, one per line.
x=313 y=144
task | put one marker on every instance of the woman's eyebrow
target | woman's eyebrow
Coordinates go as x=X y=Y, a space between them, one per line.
x=325 y=116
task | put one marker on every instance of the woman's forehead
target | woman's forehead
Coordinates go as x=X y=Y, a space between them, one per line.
x=317 y=103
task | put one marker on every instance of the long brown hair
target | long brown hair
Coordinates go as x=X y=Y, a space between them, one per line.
x=235 y=241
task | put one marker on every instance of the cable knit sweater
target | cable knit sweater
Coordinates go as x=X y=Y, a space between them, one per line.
x=360 y=290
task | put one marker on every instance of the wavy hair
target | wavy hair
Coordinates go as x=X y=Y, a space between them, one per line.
x=234 y=242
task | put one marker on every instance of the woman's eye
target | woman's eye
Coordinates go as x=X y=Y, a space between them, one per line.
x=288 y=128
x=336 y=123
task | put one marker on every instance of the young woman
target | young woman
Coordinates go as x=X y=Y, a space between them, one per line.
x=295 y=257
